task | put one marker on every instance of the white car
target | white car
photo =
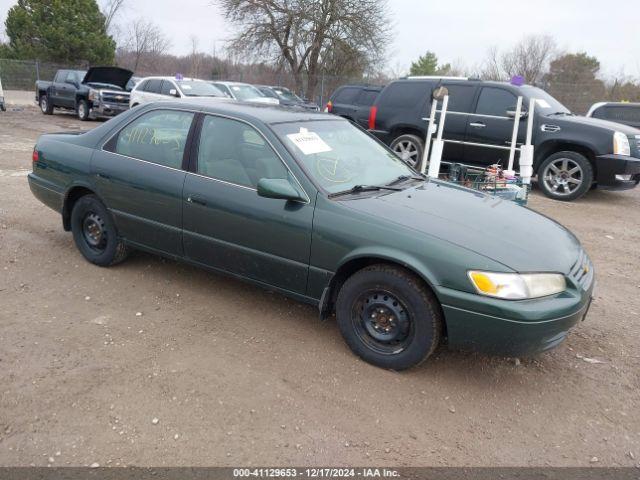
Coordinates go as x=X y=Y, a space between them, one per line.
x=154 y=89
x=244 y=92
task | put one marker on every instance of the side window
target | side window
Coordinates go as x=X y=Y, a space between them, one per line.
x=461 y=97
x=158 y=137
x=268 y=92
x=60 y=76
x=367 y=97
x=623 y=113
x=495 y=101
x=405 y=94
x=71 y=77
x=167 y=85
x=347 y=95
x=153 y=86
x=235 y=152
x=224 y=89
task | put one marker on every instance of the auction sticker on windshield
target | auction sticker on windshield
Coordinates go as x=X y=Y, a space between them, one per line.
x=309 y=143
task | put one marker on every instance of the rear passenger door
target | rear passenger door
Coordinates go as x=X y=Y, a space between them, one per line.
x=139 y=176
x=152 y=91
x=227 y=225
x=494 y=101
x=461 y=98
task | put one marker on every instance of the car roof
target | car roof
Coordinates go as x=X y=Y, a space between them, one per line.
x=223 y=82
x=265 y=113
x=185 y=79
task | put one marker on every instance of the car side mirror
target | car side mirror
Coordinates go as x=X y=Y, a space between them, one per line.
x=174 y=93
x=511 y=113
x=278 y=188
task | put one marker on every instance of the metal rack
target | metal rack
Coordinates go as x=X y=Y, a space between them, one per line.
x=479 y=178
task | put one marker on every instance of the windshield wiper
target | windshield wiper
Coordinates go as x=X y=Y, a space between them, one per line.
x=402 y=178
x=364 y=188
x=562 y=113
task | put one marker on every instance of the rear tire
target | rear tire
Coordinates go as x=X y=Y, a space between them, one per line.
x=388 y=317
x=95 y=233
x=565 y=176
x=83 y=110
x=409 y=148
x=45 y=106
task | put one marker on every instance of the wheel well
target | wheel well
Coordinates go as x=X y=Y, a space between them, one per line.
x=554 y=147
x=398 y=131
x=72 y=197
x=351 y=267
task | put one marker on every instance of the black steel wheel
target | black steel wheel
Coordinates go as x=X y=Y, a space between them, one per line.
x=389 y=317
x=95 y=234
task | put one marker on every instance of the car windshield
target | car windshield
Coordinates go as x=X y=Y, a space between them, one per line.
x=287 y=95
x=198 y=89
x=245 y=92
x=545 y=103
x=340 y=156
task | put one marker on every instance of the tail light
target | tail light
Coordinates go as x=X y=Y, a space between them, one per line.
x=372 y=117
x=36 y=156
x=328 y=107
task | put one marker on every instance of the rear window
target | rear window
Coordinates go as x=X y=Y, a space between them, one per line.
x=405 y=94
x=619 y=113
x=346 y=95
x=367 y=97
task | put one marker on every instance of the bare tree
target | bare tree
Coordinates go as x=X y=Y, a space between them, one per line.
x=145 y=41
x=530 y=58
x=306 y=35
x=196 y=57
x=110 y=9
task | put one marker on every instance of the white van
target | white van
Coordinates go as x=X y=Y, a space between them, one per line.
x=154 y=89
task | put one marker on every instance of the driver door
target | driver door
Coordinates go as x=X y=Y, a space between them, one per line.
x=227 y=225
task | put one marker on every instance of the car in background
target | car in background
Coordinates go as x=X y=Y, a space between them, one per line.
x=244 y=92
x=97 y=92
x=154 y=89
x=619 y=112
x=572 y=153
x=287 y=97
x=3 y=108
x=353 y=102
x=311 y=206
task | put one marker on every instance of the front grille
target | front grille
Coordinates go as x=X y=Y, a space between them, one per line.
x=582 y=271
x=117 y=98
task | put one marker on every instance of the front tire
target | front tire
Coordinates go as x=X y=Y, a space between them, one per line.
x=409 y=148
x=45 y=106
x=388 y=317
x=95 y=234
x=565 y=176
x=83 y=110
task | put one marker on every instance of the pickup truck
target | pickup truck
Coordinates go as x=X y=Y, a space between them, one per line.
x=98 y=92
x=573 y=154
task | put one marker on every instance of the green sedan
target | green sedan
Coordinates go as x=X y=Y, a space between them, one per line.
x=309 y=205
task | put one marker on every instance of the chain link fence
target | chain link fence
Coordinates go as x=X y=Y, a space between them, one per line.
x=22 y=75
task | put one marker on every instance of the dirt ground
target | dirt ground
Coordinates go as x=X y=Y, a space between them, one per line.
x=155 y=363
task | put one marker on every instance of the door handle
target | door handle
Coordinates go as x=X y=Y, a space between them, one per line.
x=196 y=200
x=477 y=125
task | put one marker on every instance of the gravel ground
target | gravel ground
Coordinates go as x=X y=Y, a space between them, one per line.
x=155 y=363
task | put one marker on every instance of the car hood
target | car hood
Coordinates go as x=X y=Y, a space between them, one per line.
x=515 y=236
x=109 y=75
x=596 y=122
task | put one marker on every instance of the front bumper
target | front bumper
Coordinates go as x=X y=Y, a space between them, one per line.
x=608 y=166
x=513 y=328
x=101 y=109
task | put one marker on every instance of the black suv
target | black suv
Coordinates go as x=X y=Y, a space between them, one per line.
x=572 y=153
x=353 y=102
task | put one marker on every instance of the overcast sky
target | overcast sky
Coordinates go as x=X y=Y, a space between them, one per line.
x=457 y=30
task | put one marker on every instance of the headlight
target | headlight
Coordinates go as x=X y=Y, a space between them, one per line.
x=94 y=94
x=621 y=144
x=514 y=286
